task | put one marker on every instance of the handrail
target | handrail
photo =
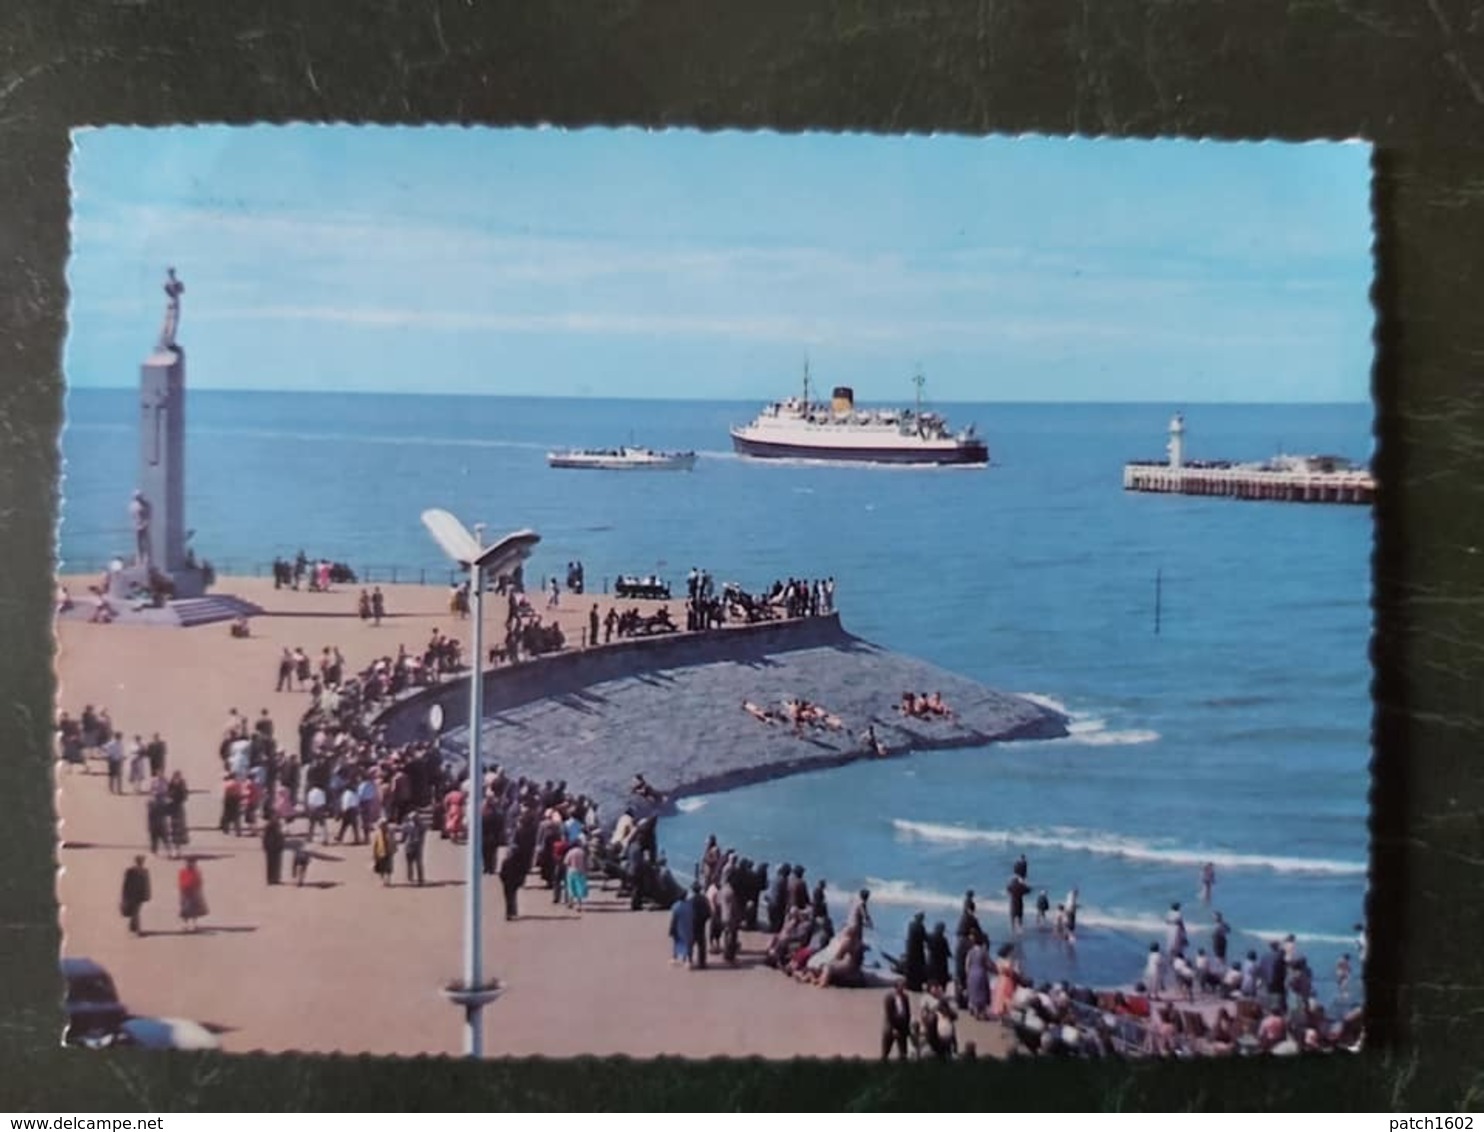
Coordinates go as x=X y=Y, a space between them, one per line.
x=368 y=574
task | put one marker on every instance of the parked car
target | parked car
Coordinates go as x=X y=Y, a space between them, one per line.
x=96 y=1019
x=92 y=1001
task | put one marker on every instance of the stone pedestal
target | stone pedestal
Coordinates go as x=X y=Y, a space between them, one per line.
x=162 y=456
x=129 y=584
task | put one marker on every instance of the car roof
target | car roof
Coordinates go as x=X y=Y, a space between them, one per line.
x=77 y=965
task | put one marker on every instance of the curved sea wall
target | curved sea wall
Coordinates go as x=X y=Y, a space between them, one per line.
x=670 y=708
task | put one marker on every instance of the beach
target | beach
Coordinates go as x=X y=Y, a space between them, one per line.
x=344 y=964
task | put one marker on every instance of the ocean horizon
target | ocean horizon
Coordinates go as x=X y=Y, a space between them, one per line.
x=1239 y=733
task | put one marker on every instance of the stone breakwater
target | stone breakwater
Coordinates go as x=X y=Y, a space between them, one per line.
x=670 y=708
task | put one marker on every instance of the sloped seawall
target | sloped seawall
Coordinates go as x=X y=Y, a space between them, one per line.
x=670 y=708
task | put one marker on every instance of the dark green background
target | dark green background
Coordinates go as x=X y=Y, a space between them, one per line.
x=1408 y=75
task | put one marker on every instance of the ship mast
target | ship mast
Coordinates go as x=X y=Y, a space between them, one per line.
x=918 y=380
x=806 y=385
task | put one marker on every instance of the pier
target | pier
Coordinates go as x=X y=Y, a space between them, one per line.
x=1289 y=479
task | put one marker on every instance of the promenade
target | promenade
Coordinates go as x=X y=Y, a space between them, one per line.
x=344 y=964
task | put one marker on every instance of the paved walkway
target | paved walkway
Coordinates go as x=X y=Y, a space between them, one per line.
x=343 y=963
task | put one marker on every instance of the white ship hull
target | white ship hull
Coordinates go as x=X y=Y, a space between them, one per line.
x=623 y=460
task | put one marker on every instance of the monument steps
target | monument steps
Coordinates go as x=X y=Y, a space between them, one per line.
x=212 y=607
x=181 y=614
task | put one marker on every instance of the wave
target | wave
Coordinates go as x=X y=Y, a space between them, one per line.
x=1099 y=736
x=905 y=894
x=691 y=805
x=1087 y=730
x=1299 y=937
x=1111 y=845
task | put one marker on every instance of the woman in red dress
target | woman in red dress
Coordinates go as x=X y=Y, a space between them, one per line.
x=192 y=894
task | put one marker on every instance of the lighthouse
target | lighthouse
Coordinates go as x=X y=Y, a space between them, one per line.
x=1177 y=441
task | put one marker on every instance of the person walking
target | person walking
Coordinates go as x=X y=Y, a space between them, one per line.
x=113 y=754
x=977 y=976
x=513 y=870
x=682 y=932
x=1208 y=882
x=273 y=845
x=701 y=915
x=301 y=859
x=135 y=895
x=412 y=848
x=192 y=888
x=914 y=957
x=383 y=852
x=897 y=1021
x=575 y=867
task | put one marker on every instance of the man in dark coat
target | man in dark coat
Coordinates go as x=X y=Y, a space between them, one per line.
x=512 y=875
x=273 y=842
x=136 y=893
x=938 y=956
x=914 y=959
x=490 y=831
x=1220 y=933
x=517 y=863
x=1022 y=867
x=155 y=753
x=897 y=1022
x=700 y=916
x=968 y=928
x=1017 y=889
x=798 y=889
x=778 y=898
x=757 y=884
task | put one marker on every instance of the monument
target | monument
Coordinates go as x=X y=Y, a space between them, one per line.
x=160 y=565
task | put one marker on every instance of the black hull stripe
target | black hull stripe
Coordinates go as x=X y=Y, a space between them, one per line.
x=967 y=454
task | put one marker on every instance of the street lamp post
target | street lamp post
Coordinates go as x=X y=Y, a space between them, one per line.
x=474 y=993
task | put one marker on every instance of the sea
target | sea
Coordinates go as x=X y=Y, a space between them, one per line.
x=1211 y=653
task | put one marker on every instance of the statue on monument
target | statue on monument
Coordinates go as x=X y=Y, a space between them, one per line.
x=174 y=288
x=139 y=511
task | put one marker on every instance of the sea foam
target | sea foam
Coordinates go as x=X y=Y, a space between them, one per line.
x=905 y=894
x=1111 y=845
x=1086 y=729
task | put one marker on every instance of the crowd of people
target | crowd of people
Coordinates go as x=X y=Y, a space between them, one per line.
x=1186 y=1004
x=630 y=623
x=797 y=713
x=796 y=597
x=526 y=634
x=920 y=705
x=386 y=677
x=314 y=575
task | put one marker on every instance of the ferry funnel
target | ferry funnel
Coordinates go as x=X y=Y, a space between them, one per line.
x=843 y=400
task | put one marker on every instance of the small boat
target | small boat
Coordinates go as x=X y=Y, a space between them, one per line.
x=622 y=459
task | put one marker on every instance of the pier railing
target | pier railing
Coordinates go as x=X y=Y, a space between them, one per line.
x=243 y=568
x=366 y=574
x=1251 y=483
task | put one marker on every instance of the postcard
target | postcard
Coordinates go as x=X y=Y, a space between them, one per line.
x=667 y=593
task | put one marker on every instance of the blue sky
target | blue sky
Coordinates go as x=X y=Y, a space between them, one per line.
x=627 y=263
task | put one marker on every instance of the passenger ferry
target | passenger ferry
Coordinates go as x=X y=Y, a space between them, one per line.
x=802 y=429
